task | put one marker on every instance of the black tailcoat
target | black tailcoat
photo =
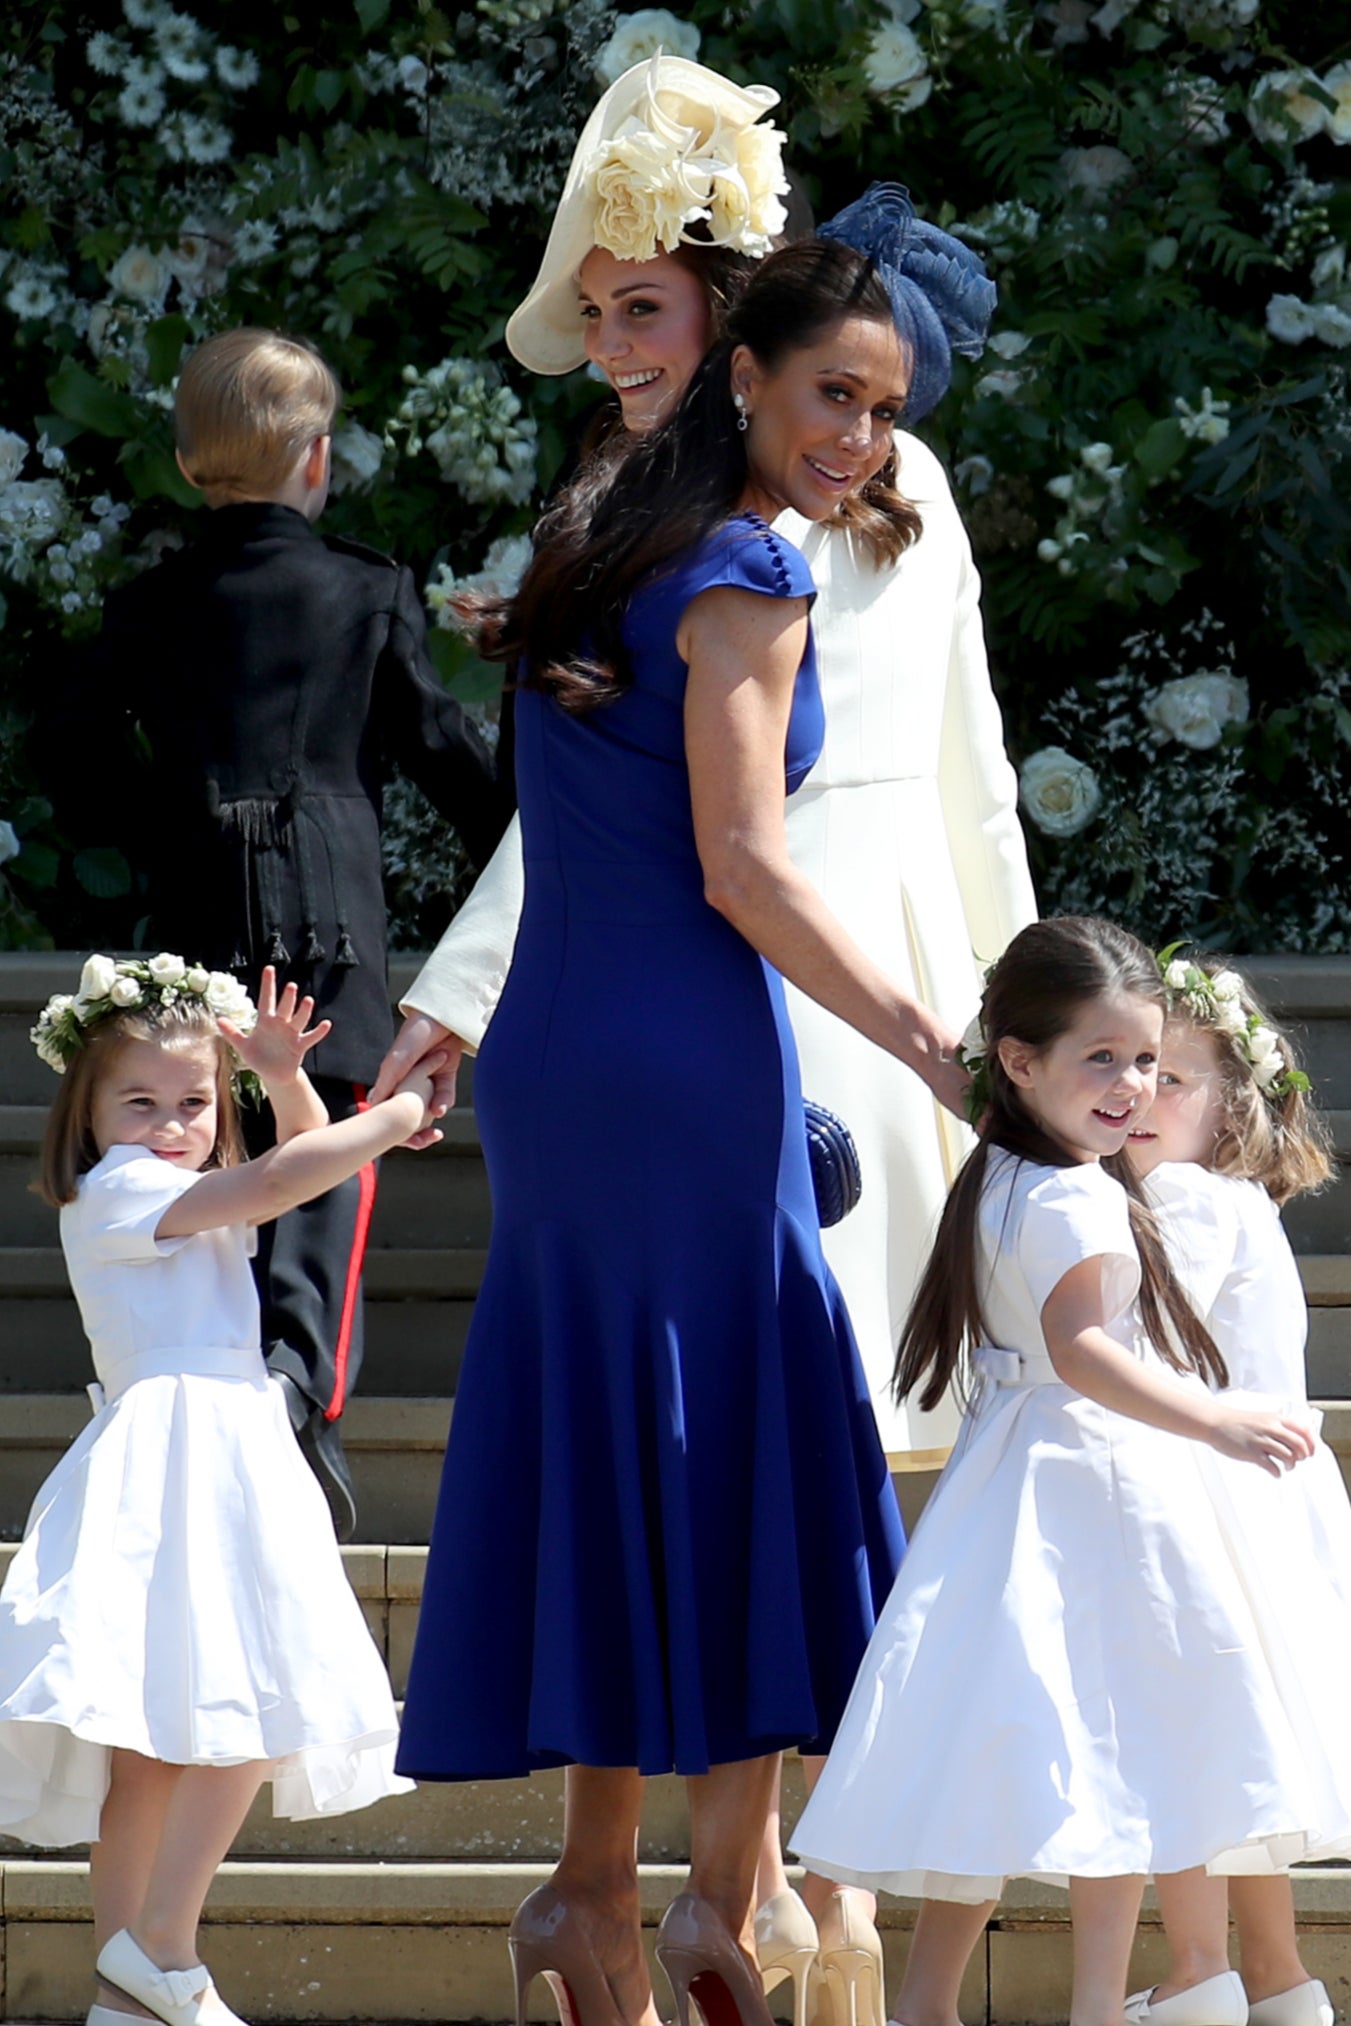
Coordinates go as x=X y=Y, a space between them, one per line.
x=274 y=674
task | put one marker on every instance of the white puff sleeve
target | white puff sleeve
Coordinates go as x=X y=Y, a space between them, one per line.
x=120 y=1204
x=1071 y=1215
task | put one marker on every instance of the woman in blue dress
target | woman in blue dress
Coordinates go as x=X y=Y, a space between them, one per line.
x=665 y=1520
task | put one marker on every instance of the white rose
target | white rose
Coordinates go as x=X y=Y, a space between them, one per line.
x=166 y=970
x=97 y=978
x=10 y=846
x=357 y=457
x=1337 y=83
x=1175 y=977
x=1230 y=1016
x=1194 y=709
x=1059 y=793
x=637 y=37
x=1280 y=107
x=1289 y=319
x=893 y=58
x=1264 y=1053
x=13 y=451
x=197 y=979
x=759 y=159
x=1331 y=325
x=140 y=275
x=125 y=992
x=1227 y=985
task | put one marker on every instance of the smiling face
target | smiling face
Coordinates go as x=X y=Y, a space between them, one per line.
x=162 y=1098
x=1189 y=1113
x=821 y=421
x=646 y=325
x=1087 y=1086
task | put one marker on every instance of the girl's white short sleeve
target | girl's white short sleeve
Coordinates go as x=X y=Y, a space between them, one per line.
x=1071 y=1215
x=122 y=1200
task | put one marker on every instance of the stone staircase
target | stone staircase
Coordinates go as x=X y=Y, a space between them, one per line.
x=399 y=1913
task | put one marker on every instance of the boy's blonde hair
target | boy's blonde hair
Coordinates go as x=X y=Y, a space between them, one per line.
x=69 y=1148
x=1277 y=1140
x=248 y=405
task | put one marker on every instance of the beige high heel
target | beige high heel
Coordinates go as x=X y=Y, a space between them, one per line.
x=703 y=1960
x=786 y=1944
x=547 y=1940
x=849 y=1984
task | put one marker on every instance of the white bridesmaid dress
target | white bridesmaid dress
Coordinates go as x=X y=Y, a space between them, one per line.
x=908 y=826
x=1074 y=1675
x=179 y=1592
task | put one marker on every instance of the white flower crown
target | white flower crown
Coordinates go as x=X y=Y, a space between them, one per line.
x=655 y=177
x=129 y=985
x=1218 y=1001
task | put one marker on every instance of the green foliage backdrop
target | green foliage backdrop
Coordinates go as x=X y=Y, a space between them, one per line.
x=1154 y=458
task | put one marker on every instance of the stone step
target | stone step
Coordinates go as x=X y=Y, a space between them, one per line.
x=413 y=1941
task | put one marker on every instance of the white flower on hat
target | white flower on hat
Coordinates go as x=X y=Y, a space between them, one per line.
x=643 y=34
x=124 y=992
x=646 y=194
x=166 y=969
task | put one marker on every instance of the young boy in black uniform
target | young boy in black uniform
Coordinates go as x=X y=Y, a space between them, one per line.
x=272 y=672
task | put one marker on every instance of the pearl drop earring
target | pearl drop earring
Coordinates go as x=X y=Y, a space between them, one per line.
x=743 y=420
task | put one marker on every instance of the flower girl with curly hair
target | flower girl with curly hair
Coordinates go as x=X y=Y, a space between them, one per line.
x=1230 y=1138
x=177 y=1628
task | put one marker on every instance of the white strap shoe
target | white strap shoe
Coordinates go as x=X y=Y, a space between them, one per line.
x=175 y=1996
x=1306 y=2005
x=1219 y=2001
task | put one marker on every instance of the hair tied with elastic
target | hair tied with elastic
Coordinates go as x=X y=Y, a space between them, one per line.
x=942 y=299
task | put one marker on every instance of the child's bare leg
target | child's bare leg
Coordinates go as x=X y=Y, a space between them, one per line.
x=1103 y=1913
x=1195 y=1910
x=206 y=1808
x=946 y=1931
x=1264 y=1914
x=120 y=1863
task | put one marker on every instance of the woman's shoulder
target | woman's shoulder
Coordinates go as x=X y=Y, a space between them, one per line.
x=745 y=553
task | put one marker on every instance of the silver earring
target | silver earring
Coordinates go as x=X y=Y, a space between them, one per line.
x=743 y=420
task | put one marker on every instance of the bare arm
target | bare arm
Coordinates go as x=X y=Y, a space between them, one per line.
x=305 y=1166
x=744 y=651
x=1086 y=1358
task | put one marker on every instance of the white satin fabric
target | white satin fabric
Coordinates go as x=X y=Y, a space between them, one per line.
x=908 y=826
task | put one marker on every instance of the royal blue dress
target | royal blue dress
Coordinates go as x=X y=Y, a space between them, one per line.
x=665 y=1522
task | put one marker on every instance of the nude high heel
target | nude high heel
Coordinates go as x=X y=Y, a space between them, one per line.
x=849 y=1982
x=786 y=1944
x=703 y=1960
x=547 y=1940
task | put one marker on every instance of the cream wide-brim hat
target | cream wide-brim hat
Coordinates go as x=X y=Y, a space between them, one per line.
x=545 y=333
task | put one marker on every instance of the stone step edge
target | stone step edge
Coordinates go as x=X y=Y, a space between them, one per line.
x=411 y=1893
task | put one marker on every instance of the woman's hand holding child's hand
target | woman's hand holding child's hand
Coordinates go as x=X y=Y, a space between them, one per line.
x=421 y=1081
x=281 y=1038
x=1254 y=1435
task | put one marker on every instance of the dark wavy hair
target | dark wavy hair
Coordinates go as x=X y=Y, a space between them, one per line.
x=638 y=503
x=1047 y=975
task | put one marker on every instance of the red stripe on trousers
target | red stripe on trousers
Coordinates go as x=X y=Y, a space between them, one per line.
x=351 y=1293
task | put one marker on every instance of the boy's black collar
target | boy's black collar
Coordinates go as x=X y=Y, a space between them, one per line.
x=248 y=518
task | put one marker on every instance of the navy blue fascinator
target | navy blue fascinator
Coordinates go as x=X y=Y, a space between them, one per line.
x=941 y=297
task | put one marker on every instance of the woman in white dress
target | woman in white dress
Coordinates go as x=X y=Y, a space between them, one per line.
x=907 y=825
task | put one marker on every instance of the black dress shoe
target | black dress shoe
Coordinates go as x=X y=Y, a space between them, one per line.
x=321 y=1444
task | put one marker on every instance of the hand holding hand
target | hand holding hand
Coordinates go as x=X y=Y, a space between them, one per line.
x=420 y=1035
x=1274 y=1442
x=280 y=1040
x=422 y=1081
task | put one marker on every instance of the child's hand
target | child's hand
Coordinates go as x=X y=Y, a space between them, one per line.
x=423 y=1082
x=1253 y=1435
x=280 y=1040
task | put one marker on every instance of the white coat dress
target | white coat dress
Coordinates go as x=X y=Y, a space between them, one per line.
x=908 y=826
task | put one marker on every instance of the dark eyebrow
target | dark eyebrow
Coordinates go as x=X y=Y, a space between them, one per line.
x=844 y=373
x=629 y=288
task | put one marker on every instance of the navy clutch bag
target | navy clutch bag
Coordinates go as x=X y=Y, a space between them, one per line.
x=836 y=1176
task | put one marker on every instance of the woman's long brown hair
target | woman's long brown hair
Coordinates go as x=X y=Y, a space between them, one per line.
x=1036 y=991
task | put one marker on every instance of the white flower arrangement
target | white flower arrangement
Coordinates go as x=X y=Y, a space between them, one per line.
x=111 y=985
x=473 y=425
x=655 y=178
